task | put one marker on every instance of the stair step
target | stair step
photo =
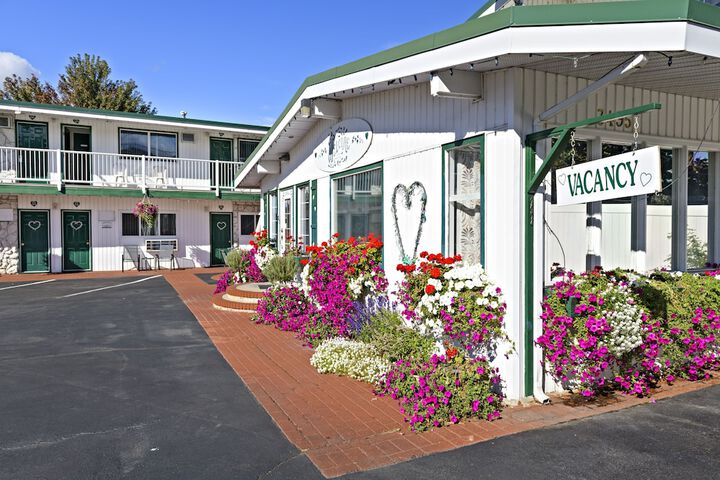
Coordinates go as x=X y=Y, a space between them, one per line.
x=222 y=303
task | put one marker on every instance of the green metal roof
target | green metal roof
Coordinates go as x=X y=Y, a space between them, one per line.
x=640 y=11
x=132 y=115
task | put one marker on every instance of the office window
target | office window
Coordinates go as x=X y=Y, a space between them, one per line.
x=130 y=225
x=164 y=224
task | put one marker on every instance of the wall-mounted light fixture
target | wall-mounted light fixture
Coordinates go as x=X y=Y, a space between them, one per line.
x=76 y=121
x=32 y=117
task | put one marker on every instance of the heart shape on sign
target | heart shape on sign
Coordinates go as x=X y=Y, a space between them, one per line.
x=406 y=197
x=76 y=225
x=34 y=225
x=221 y=225
x=561 y=178
x=645 y=178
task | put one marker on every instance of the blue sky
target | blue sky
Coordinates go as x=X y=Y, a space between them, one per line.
x=236 y=61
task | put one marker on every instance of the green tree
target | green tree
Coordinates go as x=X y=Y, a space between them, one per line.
x=28 y=90
x=86 y=83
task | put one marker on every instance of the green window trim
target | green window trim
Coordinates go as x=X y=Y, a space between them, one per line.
x=447 y=147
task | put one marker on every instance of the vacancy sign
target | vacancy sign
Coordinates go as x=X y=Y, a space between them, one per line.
x=626 y=175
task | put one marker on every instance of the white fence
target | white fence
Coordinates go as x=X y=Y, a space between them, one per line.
x=60 y=167
x=569 y=224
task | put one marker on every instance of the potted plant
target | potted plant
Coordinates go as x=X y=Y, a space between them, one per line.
x=146 y=212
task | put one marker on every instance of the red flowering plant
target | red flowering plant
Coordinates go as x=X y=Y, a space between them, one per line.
x=147 y=212
x=448 y=300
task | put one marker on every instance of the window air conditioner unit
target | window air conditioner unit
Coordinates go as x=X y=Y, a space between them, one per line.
x=161 y=244
x=188 y=137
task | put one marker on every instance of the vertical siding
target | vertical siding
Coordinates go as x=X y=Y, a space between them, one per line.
x=192 y=228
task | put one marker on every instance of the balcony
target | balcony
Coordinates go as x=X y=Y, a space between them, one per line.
x=61 y=167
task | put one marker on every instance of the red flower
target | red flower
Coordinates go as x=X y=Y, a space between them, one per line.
x=451 y=352
x=423 y=254
x=304 y=262
x=435 y=272
x=336 y=235
x=429 y=289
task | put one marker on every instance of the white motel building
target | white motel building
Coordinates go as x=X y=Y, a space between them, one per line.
x=70 y=177
x=459 y=141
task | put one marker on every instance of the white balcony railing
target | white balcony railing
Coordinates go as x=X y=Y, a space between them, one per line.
x=61 y=167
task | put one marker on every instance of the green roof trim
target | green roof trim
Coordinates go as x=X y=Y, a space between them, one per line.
x=38 y=189
x=133 y=115
x=640 y=11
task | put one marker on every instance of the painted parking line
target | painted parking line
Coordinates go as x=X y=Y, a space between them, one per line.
x=27 y=284
x=111 y=286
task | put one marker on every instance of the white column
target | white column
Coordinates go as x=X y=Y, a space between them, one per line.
x=638 y=230
x=539 y=273
x=679 y=208
x=593 y=230
x=714 y=208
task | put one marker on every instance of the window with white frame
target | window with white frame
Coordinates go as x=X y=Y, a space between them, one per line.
x=273 y=220
x=464 y=202
x=143 y=142
x=245 y=148
x=303 y=206
x=357 y=204
x=248 y=224
x=165 y=225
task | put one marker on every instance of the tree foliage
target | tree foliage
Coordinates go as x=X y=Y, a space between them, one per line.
x=86 y=83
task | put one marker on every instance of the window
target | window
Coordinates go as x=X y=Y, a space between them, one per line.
x=248 y=223
x=358 y=204
x=133 y=227
x=273 y=220
x=130 y=225
x=245 y=148
x=464 y=213
x=155 y=144
x=303 y=214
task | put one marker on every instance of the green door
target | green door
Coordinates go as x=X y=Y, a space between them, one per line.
x=220 y=237
x=76 y=240
x=34 y=241
x=33 y=164
x=221 y=149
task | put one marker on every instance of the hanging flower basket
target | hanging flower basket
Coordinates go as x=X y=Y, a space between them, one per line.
x=146 y=212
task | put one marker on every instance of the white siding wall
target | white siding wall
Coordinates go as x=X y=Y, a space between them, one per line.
x=410 y=126
x=192 y=228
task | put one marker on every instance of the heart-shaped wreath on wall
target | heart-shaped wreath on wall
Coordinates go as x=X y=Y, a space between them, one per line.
x=406 y=195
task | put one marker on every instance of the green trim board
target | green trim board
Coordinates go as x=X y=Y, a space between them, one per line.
x=37 y=189
x=476 y=139
x=132 y=115
x=640 y=11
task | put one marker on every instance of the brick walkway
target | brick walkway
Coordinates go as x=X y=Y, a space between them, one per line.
x=338 y=422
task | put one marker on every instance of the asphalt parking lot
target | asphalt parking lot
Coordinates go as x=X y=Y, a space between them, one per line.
x=123 y=382
x=114 y=378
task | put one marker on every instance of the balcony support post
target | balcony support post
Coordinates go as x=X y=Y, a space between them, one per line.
x=143 y=184
x=58 y=166
x=217 y=178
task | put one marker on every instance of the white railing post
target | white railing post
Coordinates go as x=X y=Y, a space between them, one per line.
x=217 y=178
x=58 y=165
x=143 y=185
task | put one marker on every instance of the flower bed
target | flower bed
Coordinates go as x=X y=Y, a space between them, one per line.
x=246 y=265
x=621 y=331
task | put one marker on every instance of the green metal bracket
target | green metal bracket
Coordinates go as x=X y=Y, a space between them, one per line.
x=553 y=132
x=555 y=152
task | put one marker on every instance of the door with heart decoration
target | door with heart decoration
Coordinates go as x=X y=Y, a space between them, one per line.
x=221 y=228
x=76 y=241
x=34 y=241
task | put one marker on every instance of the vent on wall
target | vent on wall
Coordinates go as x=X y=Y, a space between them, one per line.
x=4 y=121
x=188 y=137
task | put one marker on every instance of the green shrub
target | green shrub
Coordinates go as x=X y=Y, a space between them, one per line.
x=281 y=269
x=675 y=297
x=237 y=259
x=388 y=333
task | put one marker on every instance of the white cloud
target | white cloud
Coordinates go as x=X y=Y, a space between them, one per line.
x=14 y=64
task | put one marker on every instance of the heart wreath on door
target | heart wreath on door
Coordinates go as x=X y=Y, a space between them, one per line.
x=404 y=198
